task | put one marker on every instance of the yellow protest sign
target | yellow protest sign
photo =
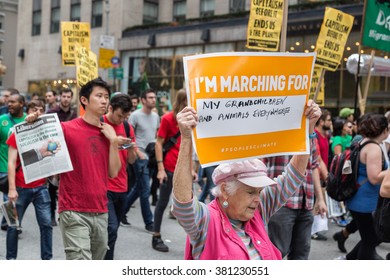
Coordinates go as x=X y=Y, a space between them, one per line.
x=105 y=56
x=249 y=104
x=86 y=65
x=265 y=25
x=315 y=80
x=333 y=36
x=73 y=33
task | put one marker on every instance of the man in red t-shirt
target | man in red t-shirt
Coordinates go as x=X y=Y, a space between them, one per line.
x=22 y=194
x=118 y=113
x=322 y=129
x=166 y=166
x=82 y=198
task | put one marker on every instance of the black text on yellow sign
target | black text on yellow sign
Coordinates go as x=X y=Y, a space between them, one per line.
x=105 y=56
x=315 y=80
x=73 y=33
x=265 y=24
x=86 y=66
x=333 y=36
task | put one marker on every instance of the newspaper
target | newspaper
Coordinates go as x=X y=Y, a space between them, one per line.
x=42 y=148
x=10 y=214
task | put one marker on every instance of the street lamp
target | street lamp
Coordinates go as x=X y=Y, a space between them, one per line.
x=107 y=15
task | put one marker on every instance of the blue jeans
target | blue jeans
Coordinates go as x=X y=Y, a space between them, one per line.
x=141 y=190
x=5 y=198
x=40 y=198
x=115 y=212
x=290 y=231
x=208 y=171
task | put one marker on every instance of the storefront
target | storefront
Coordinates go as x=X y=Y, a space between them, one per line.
x=153 y=57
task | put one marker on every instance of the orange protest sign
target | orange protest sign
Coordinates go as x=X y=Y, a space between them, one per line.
x=249 y=104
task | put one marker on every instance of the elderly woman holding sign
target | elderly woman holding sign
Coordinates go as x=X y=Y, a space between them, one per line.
x=232 y=226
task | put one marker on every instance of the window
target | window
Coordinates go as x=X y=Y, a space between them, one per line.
x=36 y=18
x=1 y=21
x=97 y=13
x=237 y=6
x=150 y=12
x=75 y=7
x=206 y=8
x=55 y=16
x=179 y=11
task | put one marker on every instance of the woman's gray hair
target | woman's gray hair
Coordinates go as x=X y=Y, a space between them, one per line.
x=231 y=188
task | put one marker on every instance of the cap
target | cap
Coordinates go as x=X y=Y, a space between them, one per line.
x=249 y=172
x=345 y=112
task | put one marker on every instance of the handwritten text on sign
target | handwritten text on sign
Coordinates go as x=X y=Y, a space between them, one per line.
x=216 y=114
x=249 y=104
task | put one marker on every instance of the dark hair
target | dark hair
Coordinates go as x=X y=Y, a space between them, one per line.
x=338 y=125
x=144 y=93
x=121 y=101
x=21 y=98
x=13 y=91
x=66 y=90
x=134 y=96
x=53 y=91
x=324 y=116
x=35 y=103
x=372 y=125
x=180 y=101
x=86 y=89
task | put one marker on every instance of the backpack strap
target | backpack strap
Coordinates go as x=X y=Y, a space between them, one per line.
x=127 y=128
x=371 y=141
x=11 y=119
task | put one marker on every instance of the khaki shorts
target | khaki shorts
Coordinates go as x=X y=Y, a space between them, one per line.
x=84 y=235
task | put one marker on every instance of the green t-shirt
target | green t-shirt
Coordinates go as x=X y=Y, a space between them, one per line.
x=6 y=129
x=344 y=141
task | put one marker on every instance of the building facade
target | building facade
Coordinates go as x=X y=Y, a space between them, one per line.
x=8 y=34
x=153 y=36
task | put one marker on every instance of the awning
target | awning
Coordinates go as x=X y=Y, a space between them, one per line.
x=380 y=65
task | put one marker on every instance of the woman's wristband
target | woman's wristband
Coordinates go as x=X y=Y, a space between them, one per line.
x=312 y=135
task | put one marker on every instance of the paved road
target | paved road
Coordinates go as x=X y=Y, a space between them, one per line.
x=134 y=243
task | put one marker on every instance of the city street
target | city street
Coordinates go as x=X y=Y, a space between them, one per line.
x=134 y=243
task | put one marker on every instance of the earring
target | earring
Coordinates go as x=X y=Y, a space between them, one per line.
x=225 y=204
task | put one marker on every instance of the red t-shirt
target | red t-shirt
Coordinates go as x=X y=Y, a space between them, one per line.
x=169 y=128
x=119 y=183
x=323 y=143
x=84 y=189
x=19 y=177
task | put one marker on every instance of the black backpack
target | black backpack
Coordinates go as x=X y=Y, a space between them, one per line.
x=150 y=150
x=382 y=219
x=341 y=186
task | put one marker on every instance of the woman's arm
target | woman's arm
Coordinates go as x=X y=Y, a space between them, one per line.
x=161 y=174
x=373 y=159
x=182 y=178
x=385 y=187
